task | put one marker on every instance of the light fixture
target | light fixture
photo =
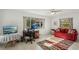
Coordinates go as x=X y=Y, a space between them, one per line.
x=52 y=13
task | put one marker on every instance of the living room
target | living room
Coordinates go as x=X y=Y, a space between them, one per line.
x=50 y=19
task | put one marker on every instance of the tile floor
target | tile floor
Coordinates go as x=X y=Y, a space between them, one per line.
x=34 y=46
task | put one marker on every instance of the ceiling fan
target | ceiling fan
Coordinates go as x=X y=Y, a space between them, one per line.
x=54 y=11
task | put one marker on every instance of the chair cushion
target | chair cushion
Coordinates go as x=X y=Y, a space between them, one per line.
x=27 y=37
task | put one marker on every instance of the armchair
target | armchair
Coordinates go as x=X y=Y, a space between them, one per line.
x=28 y=36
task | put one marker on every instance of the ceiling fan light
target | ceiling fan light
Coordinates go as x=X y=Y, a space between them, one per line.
x=53 y=13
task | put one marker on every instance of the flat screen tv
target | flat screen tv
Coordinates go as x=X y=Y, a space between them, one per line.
x=9 y=29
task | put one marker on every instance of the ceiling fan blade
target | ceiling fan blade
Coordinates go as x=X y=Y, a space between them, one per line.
x=55 y=10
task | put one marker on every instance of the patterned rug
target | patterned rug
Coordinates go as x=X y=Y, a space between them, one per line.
x=50 y=45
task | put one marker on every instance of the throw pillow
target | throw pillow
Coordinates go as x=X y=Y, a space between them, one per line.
x=69 y=31
x=58 y=30
x=72 y=31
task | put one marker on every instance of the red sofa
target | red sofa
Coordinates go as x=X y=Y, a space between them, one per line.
x=63 y=33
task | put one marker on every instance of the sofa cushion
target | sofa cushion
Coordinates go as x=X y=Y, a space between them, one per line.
x=61 y=35
x=64 y=30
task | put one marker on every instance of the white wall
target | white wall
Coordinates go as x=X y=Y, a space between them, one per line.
x=1 y=19
x=14 y=17
x=74 y=15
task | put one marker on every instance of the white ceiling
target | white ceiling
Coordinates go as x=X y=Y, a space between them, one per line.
x=44 y=12
x=47 y=12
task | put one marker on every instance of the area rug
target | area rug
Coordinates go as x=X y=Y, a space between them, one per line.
x=49 y=45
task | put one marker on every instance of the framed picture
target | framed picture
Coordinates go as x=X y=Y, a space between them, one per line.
x=66 y=23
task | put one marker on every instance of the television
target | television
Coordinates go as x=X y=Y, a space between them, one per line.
x=9 y=29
